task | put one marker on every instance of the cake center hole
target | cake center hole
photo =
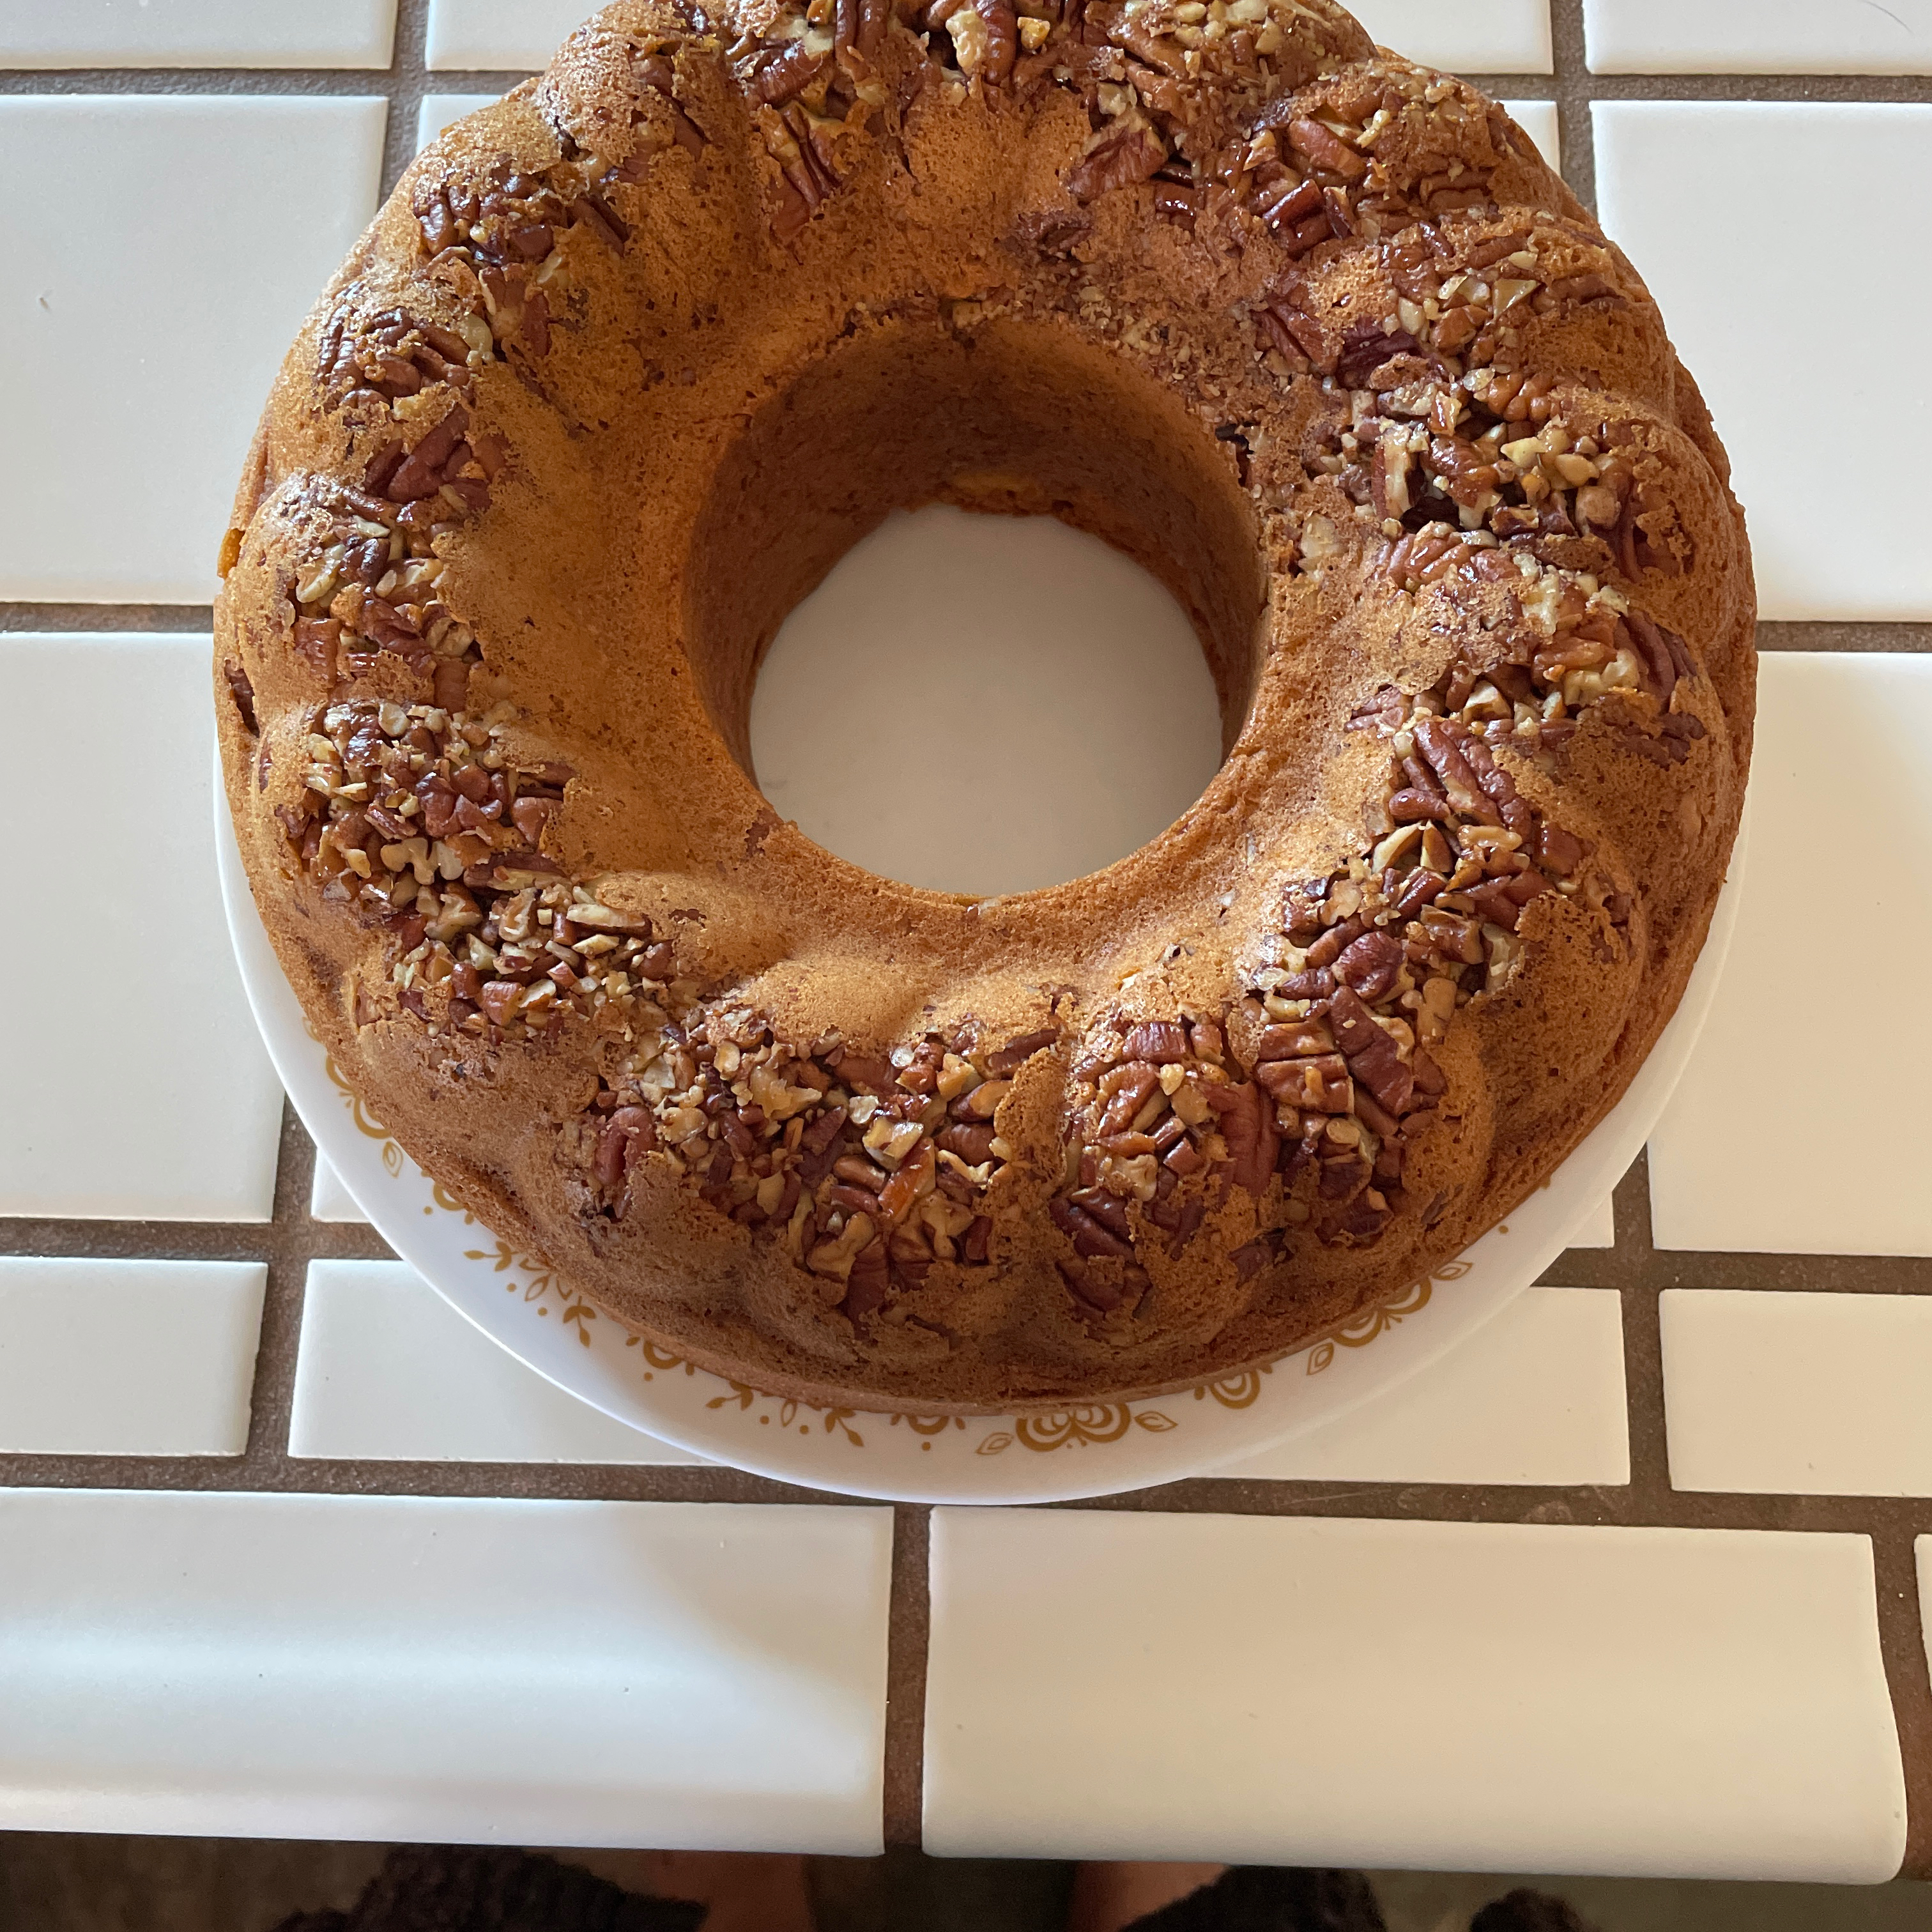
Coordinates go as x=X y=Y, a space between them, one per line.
x=985 y=704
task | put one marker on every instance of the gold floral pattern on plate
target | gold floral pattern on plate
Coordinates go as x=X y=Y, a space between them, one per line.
x=1091 y=1426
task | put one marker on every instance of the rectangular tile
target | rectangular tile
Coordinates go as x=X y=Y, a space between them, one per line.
x=329 y=1200
x=196 y=33
x=1474 y=37
x=508 y=36
x=1492 y=1697
x=145 y=355
x=1681 y=184
x=1758 y=36
x=1740 y=1160
x=127 y=1358
x=135 y=1086
x=443 y=1669
x=1534 y=1396
x=1794 y=1394
x=435 y=112
x=387 y=1370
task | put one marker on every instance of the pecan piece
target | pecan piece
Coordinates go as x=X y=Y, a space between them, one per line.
x=1137 y=1083
x=630 y=1133
x=870 y=1281
x=1326 y=149
x=1666 y=654
x=1109 y=1209
x=1439 y=743
x=986 y=39
x=1120 y=160
x=1160 y=1042
x=420 y=472
x=1248 y=1125
x=786 y=72
x=1293 y=1042
x=1561 y=853
x=244 y=695
x=971 y=1141
x=1371 y=965
x=1366 y=347
x=1412 y=804
x=315 y=642
x=1380 y=1069
x=1090 y=1239
x=861 y=24
x=1293 y=332
x=1318 y=1083
x=1008 y=1059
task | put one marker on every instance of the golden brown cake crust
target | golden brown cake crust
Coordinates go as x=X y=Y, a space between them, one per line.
x=624 y=366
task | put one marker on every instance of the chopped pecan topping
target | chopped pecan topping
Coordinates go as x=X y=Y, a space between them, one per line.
x=410 y=814
x=368 y=605
x=865 y=1168
x=387 y=358
x=1373 y=963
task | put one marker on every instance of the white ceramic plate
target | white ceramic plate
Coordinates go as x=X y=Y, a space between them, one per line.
x=1095 y=1450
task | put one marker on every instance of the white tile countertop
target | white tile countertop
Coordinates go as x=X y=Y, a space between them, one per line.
x=1630 y=1581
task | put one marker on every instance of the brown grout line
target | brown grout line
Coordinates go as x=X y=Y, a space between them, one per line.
x=911 y=1628
x=1643 y=1346
x=273 y=1394
x=1844 y=636
x=81 y=617
x=407 y=88
x=1823 y=634
x=1858 y=89
x=1596 y=1506
x=1902 y=1637
x=363 y=82
x=1569 y=88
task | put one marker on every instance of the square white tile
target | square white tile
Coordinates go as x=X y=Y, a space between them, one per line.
x=1682 y=185
x=135 y=1085
x=1742 y=1158
x=1473 y=36
x=1540 y=120
x=1601 y=1230
x=386 y=1370
x=139 y=345
x=1787 y=1393
x=446 y=1669
x=196 y=33
x=329 y=1200
x=435 y=112
x=492 y=36
x=1490 y=1697
x=127 y=1358
x=1536 y=1395
x=1758 y=36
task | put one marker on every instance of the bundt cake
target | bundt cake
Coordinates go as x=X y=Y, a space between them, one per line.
x=625 y=365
